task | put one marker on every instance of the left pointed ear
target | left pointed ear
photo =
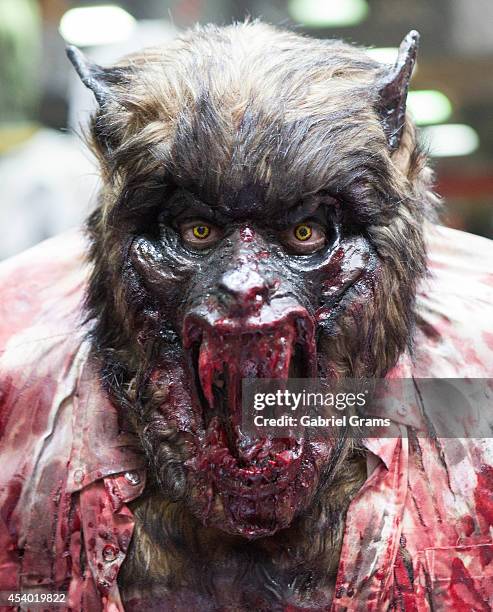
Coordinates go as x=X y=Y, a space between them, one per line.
x=393 y=88
x=92 y=75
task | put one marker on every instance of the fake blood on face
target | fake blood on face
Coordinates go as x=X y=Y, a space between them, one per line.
x=259 y=481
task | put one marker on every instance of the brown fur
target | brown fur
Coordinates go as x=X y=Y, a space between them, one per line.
x=268 y=110
x=214 y=111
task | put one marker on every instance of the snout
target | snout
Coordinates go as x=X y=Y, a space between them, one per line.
x=224 y=351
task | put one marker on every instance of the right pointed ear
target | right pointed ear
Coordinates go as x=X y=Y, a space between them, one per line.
x=92 y=75
x=393 y=89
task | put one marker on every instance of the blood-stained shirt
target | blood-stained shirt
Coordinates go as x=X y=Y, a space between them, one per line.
x=418 y=535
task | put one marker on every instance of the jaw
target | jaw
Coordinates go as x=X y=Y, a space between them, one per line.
x=247 y=486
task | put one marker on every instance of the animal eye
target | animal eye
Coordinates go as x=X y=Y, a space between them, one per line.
x=303 y=232
x=201 y=231
x=199 y=234
x=304 y=238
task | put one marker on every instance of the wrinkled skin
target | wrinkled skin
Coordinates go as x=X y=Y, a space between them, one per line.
x=244 y=308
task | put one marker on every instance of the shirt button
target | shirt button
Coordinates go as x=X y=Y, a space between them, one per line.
x=132 y=478
x=110 y=553
x=402 y=410
x=78 y=476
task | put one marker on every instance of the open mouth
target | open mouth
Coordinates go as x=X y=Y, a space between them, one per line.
x=235 y=463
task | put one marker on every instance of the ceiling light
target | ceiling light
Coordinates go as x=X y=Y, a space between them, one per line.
x=96 y=25
x=429 y=106
x=328 y=13
x=450 y=140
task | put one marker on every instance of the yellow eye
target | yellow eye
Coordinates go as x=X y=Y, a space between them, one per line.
x=303 y=232
x=199 y=234
x=201 y=231
x=304 y=238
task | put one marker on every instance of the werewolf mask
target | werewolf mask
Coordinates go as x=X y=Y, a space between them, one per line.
x=261 y=217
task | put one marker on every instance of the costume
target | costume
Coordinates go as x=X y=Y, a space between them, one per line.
x=417 y=536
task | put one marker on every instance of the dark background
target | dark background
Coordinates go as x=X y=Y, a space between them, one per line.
x=41 y=106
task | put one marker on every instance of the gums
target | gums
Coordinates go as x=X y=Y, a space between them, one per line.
x=257 y=479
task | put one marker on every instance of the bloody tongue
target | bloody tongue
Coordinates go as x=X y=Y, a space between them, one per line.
x=226 y=360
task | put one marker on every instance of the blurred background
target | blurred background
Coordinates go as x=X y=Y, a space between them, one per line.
x=48 y=181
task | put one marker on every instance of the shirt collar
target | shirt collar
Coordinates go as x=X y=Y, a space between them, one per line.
x=100 y=448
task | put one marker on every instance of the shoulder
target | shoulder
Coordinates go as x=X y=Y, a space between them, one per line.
x=40 y=334
x=454 y=336
x=42 y=290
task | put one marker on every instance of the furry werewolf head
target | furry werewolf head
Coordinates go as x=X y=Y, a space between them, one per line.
x=261 y=217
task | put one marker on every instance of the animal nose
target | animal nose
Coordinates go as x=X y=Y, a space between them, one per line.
x=246 y=286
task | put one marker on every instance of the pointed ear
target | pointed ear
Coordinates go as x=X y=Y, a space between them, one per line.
x=92 y=75
x=393 y=88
